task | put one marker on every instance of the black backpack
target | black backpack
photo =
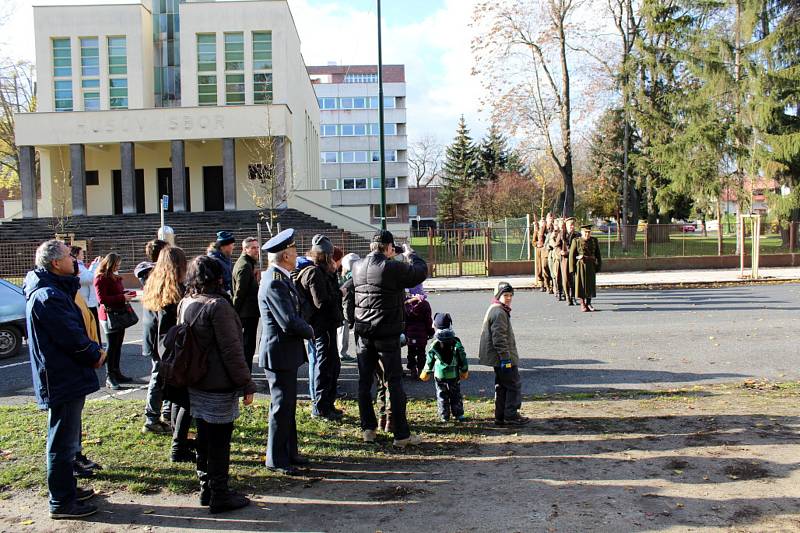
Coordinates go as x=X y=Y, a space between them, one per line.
x=183 y=363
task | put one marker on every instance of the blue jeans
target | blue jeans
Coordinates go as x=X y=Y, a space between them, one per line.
x=63 y=442
x=312 y=369
x=156 y=406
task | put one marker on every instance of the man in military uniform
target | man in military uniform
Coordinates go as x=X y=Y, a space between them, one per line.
x=567 y=275
x=585 y=261
x=541 y=252
x=554 y=256
x=282 y=351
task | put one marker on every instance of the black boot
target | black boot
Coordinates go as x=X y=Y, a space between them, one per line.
x=571 y=301
x=219 y=457
x=181 y=449
x=205 y=490
x=202 y=461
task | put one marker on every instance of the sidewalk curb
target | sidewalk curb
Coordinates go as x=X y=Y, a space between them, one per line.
x=641 y=286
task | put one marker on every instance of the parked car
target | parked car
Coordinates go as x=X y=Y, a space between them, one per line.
x=607 y=227
x=12 y=319
x=688 y=228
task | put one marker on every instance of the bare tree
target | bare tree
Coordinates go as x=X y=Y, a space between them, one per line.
x=426 y=160
x=521 y=54
x=266 y=182
x=16 y=96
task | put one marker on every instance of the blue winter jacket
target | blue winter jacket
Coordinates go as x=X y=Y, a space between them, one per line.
x=62 y=355
x=227 y=268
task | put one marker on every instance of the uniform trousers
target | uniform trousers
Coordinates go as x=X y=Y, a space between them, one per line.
x=387 y=351
x=282 y=437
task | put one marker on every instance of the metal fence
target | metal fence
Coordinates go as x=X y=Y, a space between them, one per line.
x=461 y=251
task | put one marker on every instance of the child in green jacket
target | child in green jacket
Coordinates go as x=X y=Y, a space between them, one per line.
x=448 y=361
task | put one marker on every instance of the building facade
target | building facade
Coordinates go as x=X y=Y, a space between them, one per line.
x=186 y=99
x=350 y=144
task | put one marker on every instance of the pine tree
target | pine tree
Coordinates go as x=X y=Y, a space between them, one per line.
x=460 y=174
x=493 y=154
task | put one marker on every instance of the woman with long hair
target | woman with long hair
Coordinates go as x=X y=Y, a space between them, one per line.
x=214 y=399
x=164 y=289
x=112 y=295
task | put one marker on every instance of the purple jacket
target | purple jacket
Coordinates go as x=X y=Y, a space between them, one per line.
x=419 y=324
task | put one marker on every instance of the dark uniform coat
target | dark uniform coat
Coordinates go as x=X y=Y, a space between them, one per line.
x=585 y=262
x=282 y=353
x=567 y=275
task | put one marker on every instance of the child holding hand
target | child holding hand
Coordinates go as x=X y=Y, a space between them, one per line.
x=448 y=362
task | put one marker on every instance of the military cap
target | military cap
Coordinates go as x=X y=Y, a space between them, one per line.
x=279 y=242
x=569 y=218
x=587 y=226
x=225 y=237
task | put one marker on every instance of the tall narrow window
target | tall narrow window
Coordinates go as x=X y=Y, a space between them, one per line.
x=234 y=68
x=62 y=75
x=91 y=94
x=206 y=68
x=90 y=57
x=118 y=72
x=117 y=56
x=262 y=67
x=118 y=93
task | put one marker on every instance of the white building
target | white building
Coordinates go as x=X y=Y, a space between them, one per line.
x=350 y=145
x=164 y=97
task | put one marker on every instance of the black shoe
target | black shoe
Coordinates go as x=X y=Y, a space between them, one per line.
x=517 y=421
x=183 y=456
x=498 y=422
x=122 y=378
x=81 y=472
x=571 y=301
x=205 y=489
x=86 y=463
x=112 y=383
x=300 y=460
x=226 y=500
x=290 y=471
x=76 y=510
x=82 y=495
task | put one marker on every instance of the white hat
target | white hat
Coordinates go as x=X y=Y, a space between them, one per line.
x=348 y=260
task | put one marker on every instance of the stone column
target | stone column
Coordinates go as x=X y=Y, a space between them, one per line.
x=128 y=165
x=178 y=156
x=229 y=173
x=77 y=158
x=27 y=181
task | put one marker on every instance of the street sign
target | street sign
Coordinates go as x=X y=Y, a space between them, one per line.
x=165 y=202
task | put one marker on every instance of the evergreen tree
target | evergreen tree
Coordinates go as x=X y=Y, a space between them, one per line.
x=493 y=154
x=460 y=173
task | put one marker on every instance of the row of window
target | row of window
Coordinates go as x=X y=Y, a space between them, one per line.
x=353 y=184
x=357 y=156
x=234 y=68
x=356 y=130
x=90 y=73
x=356 y=102
x=361 y=78
x=391 y=211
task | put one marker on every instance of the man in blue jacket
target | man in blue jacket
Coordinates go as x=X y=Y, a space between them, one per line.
x=221 y=250
x=63 y=359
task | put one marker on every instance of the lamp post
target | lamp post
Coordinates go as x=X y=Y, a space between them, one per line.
x=380 y=122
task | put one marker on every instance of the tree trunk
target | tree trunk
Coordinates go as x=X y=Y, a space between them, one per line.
x=566 y=131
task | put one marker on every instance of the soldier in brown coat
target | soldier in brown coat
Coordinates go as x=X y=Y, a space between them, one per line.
x=567 y=275
x=545 y=225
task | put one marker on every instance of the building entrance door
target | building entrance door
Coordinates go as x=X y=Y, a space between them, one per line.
x=116 y=176
x=164 y=176
x=213 y=192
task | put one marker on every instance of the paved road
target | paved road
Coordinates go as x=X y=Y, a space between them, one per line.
x=638 y=339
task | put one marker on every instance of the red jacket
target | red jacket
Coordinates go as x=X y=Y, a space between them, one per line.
x=110 y=293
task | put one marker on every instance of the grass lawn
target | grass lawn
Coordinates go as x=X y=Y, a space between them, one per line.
x=140 y=463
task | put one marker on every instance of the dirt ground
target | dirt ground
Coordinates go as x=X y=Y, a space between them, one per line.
x=713 y=459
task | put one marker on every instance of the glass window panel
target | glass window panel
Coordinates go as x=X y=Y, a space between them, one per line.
x=117 y=56
x=329 y=130
x=348 y=157
x=90 y=84
x=206 y=52
x=347 y=130
x=262 y=88
x=62 y=59
x=262 y=50
x=360 y=129
x=346 y=103
x=328 y=157
x=388 y=102
x=361 y=157
x=91 y=101
x=359 y=103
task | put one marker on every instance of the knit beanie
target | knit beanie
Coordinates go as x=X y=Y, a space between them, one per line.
x=225 y=237
x=502 y=287
x=321 y=243
x=442 y=321
x=348 y=260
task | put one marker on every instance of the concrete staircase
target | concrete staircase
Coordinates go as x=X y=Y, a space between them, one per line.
x=127 y=234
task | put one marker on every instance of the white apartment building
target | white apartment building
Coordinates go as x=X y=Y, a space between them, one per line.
x=163 y=97
x=350 y=144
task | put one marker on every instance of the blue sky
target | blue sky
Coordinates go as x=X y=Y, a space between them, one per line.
x=431 y=37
